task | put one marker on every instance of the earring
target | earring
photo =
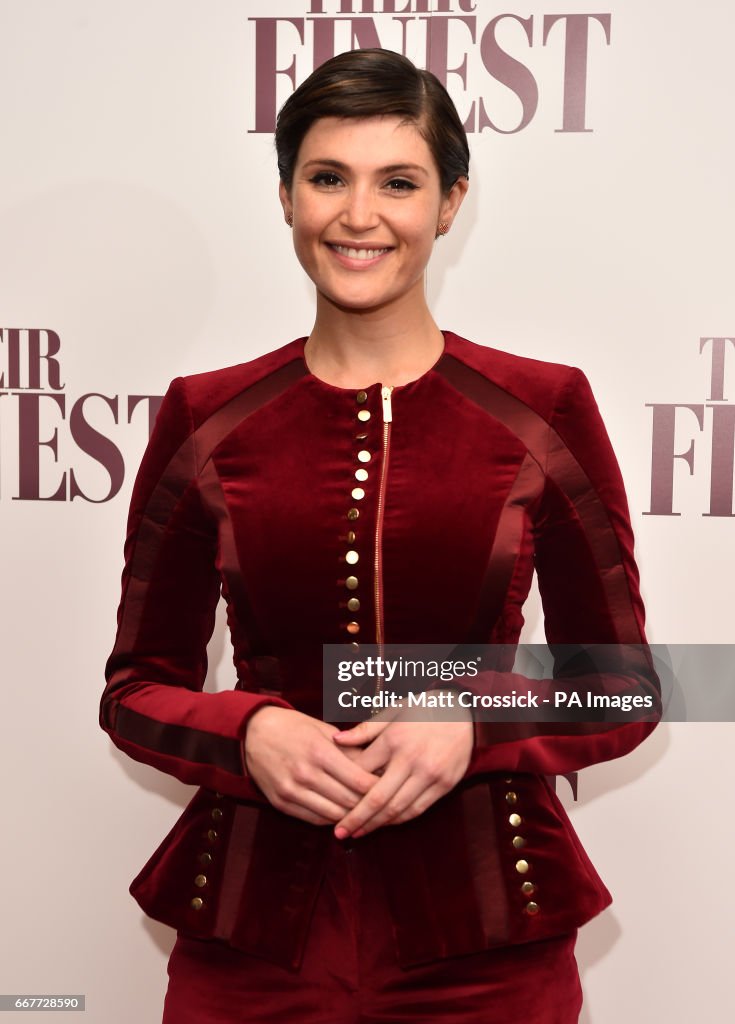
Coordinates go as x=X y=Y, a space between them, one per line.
x=289 y=220
x=442 y=229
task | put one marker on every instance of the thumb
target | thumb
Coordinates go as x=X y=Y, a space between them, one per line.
x=360 y=734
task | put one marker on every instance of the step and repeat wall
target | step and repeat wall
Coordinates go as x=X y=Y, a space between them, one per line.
x=141 y=238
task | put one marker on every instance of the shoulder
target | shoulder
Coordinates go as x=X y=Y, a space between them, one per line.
x=550 y=406
x=536 y=383
x=205 y=393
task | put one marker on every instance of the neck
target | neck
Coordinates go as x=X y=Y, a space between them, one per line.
x=354 y=349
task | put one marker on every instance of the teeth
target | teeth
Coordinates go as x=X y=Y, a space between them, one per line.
x=359 y=254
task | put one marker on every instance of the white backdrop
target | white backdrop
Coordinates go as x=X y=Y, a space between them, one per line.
x=139 y=222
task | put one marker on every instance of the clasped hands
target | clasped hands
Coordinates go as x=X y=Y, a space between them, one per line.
x=382 y=771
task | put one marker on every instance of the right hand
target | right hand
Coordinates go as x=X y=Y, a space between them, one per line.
x=292 y=757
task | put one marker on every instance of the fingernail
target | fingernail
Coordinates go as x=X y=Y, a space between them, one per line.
x=340 y=832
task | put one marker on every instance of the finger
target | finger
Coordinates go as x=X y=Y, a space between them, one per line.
x=313 y=806
x=296 y=810
x=356 y=754
x=374 y=802
x=324 y=761
x=351 y=774
x=312 y=784
x=408 y=789
x=328 y=789
x=414 y=798
x=374 y=758
x=362 y=733
x=322 y=773
x=421 y=803
x=353 y=753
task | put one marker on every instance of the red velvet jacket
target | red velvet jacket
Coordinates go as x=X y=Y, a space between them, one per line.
x=491 y=465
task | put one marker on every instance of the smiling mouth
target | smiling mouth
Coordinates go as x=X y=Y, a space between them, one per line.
x=359 y=254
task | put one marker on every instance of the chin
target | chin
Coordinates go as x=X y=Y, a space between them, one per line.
x=359 y=302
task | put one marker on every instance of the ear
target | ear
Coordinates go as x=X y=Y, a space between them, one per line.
x=451 y=202
x=283 y=195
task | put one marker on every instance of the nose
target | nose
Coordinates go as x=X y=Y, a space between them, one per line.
x=360 y=213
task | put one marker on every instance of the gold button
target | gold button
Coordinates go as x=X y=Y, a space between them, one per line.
x=528 y=888
x=353 y=514
x=511 y=797
x=522 y=866
x=360 y=437
x=363 y=415
x=531 y=908
x=220 y=796
x=508 y=780
x=217 y=814
x=205 y=858
x=357 y=493
x=351 y=536
x=355 y=647
x=212 y=836
x=197 y=903
x=518 y=842
x=353 y=627
x=200 y=881
x=351 y=582
x=361 y=475
x=354 y=604
x=515 y=820
x=364 y=456
x=352 y=558
x=361 y=397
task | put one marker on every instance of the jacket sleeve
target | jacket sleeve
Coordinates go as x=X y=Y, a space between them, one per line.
x=593 y=613
x=153 y=707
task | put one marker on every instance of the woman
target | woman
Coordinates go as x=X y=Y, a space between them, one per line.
x=380 y=481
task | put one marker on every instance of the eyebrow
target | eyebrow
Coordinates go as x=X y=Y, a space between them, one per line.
x=389 y=169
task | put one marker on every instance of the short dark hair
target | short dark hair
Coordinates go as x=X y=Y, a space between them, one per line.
x=370 y=83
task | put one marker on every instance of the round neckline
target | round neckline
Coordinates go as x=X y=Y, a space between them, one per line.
x=301 y=342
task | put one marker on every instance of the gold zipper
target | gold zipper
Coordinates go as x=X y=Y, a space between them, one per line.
x=385 y=392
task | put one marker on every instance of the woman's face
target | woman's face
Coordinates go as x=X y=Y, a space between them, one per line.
x=366 y=202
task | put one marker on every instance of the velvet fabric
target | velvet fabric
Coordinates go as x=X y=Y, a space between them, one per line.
x=496 y=464
x=350 y=974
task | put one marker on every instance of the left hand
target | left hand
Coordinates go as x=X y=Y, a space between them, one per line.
x=419 y=761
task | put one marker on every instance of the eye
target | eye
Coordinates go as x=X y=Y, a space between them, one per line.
x=328 y=179
x=400 y=185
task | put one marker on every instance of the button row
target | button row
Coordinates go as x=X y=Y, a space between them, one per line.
x=518 y=841
x=352 y=555
x=205 y=857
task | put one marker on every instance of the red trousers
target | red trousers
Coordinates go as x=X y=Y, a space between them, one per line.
x=350 y=974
